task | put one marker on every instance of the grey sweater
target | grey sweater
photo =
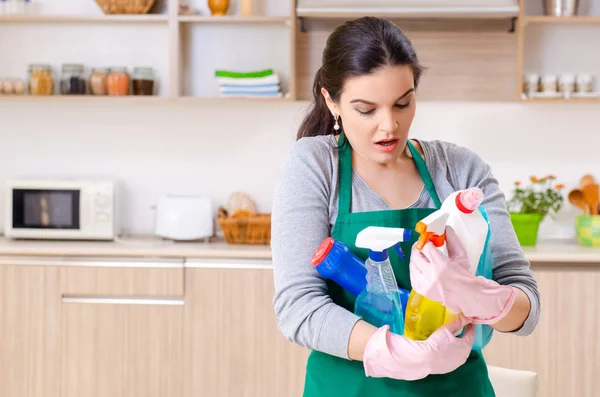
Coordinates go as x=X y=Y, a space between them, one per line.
x=305 y=210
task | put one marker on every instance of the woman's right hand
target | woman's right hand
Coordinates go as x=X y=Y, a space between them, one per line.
x=388 y=355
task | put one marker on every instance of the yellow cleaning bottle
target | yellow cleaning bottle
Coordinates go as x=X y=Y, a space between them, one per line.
x=424 y=316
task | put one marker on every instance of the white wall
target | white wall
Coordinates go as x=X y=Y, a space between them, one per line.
x=220 y=147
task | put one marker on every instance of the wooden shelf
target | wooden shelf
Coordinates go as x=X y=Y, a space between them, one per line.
x=35 y=18
x=84 y=98
x=234 y=19
x=408 y=12
x=562 y=100
x=135 y=98
x=406 y=15
x=551 y=19
x=447 y=39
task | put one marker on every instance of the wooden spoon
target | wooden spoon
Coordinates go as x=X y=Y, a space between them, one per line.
x=591 y=193
x=577 y=198
x=587 y=179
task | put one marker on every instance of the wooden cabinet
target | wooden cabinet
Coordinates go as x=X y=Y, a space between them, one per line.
x=564 y=348
x=29 y=331
x=121 y=330
x=231 y=340
x=128 y=349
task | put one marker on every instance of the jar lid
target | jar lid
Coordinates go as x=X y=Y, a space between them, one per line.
x=72 y=65
x=118 y=69
x=39 y=66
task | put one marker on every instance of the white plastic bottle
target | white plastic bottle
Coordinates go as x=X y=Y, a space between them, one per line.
x=459 y=211
x=468 y=223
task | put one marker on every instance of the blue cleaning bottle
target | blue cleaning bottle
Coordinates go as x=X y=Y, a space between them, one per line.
x=334 y=261
x=380 y=303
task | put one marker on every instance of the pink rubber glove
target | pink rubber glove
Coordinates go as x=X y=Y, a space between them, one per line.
x=388 y=355
x=448 y=280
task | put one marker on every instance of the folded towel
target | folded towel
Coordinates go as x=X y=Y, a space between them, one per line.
x=251 y=81
x=253 y=86
x=252 y=95
x=242 y=75
x=250 y=90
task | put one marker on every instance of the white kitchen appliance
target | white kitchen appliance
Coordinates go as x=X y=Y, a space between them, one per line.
x=69 y=209
x=184 y=217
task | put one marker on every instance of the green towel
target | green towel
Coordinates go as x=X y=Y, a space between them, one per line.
x=243 y=75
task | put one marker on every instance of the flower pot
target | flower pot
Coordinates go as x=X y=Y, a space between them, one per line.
x=587 y=229
x=526 y=227
x=218 y=7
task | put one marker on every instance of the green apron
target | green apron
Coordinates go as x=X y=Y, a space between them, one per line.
x=330 y=376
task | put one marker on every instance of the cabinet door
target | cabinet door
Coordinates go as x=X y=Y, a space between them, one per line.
x=123 y=338
x=29 y=331
x=564 y=348
x=232 y=344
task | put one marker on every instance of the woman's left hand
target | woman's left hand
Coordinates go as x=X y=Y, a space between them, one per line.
x=446 y=279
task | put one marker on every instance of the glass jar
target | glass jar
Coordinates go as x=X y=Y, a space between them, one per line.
x=98 y=81
x=72 y=81
x=40 y=80
x=143 y=81
x=117 y=81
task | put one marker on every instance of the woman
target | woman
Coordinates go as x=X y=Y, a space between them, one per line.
x=353 y=166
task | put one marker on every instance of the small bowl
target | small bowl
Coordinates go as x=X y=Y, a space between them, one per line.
x=587 y=228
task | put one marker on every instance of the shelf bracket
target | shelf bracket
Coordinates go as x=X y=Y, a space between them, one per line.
x=302 y=25
x=513 y=23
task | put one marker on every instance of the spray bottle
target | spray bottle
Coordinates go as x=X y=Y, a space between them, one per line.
x=380 y=303
x=334 y=261
x=424 y=316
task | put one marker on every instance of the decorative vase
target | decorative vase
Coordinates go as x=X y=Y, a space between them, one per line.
x=526 y=227
x=218 y=7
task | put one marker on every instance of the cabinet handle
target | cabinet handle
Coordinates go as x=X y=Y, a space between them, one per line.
x=91 y=262
x=229 y=263
x=174 y=301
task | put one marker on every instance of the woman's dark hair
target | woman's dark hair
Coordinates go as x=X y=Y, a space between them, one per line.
x=355 y=48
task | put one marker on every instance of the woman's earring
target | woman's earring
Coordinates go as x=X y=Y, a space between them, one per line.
x=336 y=126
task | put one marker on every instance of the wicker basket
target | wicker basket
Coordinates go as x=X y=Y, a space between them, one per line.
x=126 y=6
x=246 y=230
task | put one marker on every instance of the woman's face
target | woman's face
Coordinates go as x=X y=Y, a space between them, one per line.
x=377 y=111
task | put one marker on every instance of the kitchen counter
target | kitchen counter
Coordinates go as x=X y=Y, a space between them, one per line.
x=546 y=252
x=135 y=247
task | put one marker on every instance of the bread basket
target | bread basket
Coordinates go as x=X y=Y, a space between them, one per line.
x=126 y=6
x=245 y=229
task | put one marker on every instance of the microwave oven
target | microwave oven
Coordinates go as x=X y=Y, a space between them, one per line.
x=61 y=209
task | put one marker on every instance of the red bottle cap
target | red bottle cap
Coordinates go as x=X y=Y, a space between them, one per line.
x=322 y=251
x=460 y=205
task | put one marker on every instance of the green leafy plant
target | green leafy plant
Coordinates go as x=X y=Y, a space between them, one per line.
x=542 y=197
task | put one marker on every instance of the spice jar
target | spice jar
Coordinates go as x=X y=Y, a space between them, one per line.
x=143 y=81
x=531 y=84
x=549 y=84
x=72 y=81
x=584 y=83
x=117 y=81
x=98 y=81
x=566 y=84
x=40 y=80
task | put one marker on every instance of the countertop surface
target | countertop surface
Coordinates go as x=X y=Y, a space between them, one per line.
x=546 y=252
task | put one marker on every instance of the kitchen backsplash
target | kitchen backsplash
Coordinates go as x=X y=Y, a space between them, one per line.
x=215 y=148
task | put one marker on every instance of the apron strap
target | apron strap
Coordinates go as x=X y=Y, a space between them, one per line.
x=424 y=172
x=345 y=175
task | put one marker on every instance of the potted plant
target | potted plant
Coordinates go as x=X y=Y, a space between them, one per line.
x=531 y=204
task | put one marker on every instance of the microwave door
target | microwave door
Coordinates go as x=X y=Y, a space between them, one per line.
x=46 y=209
